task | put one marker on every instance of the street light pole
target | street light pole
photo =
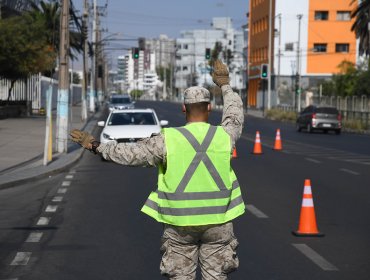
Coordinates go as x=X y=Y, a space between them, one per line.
x=298 y=75
x=92 y=76
x=269 y=58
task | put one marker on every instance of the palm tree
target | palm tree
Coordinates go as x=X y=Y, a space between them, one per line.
x=50 y=12
x=361 y=25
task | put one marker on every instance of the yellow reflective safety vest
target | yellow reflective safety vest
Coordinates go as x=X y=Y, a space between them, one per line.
x=197 y=186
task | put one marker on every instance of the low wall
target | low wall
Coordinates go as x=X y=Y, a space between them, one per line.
x=15 y=109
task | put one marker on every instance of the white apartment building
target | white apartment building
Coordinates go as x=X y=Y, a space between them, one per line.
x=191 y=65
x=134 y=70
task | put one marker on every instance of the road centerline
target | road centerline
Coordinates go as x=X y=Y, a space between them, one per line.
x=312 y=160
x=349 y=171
x=21 y=258
x=255 y=211
x=315 y=257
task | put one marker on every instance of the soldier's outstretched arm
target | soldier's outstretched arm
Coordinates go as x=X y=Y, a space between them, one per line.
x=232 y=115
x=148 y=152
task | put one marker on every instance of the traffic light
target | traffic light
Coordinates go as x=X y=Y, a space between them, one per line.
x=208 y=53
x=264 y=71
x=135 y=53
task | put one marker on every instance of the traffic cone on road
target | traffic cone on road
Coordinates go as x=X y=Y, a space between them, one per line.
x=307 y=221
x=278 y=145
x=257 y=150
x=235 y=155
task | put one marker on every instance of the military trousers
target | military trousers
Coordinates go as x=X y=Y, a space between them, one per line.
x=213 y=247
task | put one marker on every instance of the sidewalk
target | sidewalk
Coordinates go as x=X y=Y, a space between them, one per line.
x=22 y=146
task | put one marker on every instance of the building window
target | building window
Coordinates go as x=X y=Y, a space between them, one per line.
x=185 y=46
x=289 y=47
x=342 y=48
x=321 y=15
x=344 y=15
x=320 y=47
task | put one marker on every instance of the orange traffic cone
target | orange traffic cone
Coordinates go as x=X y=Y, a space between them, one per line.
x=307 y=221
x=257 y=145
x=235 y=155
x=278 y=145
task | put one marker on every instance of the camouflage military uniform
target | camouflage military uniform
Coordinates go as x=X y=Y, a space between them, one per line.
x=214 y=246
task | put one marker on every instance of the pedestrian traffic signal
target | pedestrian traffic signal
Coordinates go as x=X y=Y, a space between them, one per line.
x=135 y=53
x=208 y=53
x=264 y=71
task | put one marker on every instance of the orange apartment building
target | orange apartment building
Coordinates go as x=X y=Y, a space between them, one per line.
x=325 y=40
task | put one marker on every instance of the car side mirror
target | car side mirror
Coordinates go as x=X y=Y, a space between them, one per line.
x=163 y=123
x=101 y=123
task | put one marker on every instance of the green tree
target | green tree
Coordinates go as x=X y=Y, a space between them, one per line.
x=362 y=18
x=50 y=13
x=24 y=49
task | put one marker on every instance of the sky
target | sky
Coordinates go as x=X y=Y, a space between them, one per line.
x=150 y=18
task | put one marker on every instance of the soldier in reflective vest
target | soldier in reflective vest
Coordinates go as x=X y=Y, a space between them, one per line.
x=198 y=194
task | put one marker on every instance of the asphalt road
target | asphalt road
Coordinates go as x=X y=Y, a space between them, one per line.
x=98 y=232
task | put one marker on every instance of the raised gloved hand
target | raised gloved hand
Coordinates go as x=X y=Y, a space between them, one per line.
x=83 y=138
x=220 y=75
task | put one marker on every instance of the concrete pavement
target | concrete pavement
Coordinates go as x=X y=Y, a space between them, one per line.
x=22 y=146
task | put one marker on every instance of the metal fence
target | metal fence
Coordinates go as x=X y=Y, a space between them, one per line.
x=34 y=90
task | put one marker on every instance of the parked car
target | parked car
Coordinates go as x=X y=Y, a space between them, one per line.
x=319 y=118
x=120 y=101
x=125 y=126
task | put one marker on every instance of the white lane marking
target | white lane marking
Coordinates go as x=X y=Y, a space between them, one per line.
x=72 y=172
x=57 y=199
x=66 y=183
x=34 y=237
x=315 y=257
x=21 y=258
x=313 y=160
x=51 y=208
x=69 y=177
x=43 y=221
x=258 y=213
x=349 y=171
x=62 y=190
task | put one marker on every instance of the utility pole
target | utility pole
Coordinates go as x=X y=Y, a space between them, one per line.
x=63 y=87
x=279 y=58
x=92 y=75
x=164 y=94
x=298 y=74
x=98 y=61
x=85 y=61
x=269 y=58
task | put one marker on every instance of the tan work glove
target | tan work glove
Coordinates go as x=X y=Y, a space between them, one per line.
x=82 y=138
x=220 y=75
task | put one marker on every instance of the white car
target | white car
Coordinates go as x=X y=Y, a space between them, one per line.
x=129 y=126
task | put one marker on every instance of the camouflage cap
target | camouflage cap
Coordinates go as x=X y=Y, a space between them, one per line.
x=196 y=95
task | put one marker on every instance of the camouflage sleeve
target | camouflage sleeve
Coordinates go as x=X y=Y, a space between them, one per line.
x=232 y=115
x=148 y=152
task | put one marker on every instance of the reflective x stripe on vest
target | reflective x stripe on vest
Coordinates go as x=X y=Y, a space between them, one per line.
x=201 y=155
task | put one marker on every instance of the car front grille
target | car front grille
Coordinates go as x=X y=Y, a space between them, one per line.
x=128 y=140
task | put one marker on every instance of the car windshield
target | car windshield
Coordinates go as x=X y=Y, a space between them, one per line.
x=120 y=100
x=327 y=111
x=132 y=119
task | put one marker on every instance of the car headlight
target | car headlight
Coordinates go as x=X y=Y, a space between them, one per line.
x=106 y=136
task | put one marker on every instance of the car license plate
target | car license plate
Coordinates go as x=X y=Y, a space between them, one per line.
x=326 y=125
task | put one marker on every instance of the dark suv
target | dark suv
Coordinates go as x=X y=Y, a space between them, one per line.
x=319 y=118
